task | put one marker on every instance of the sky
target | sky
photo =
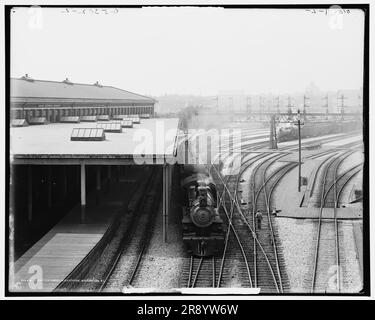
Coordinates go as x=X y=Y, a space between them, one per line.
x=185 y=50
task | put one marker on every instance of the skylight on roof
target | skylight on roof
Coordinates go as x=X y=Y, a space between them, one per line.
x=119 y=116
x=70 y=119
x=103 y=117
x=19 y=123
x=88 y=118
x=127 y=124
x=110 y=127
x=87 y=134
x=38 y=120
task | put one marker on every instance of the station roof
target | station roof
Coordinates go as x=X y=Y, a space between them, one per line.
x=26 y=89
x=153 y=139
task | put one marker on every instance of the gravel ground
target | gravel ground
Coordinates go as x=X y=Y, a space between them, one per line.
x=296 y=237
x=351 y=275
x=298 y=241
x=162 y=264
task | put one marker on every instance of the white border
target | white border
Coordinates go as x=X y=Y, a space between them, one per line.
x=185 y=298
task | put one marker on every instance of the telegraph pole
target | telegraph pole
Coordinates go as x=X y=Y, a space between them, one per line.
x=299 y=150
x=260 y=106
x=249 y=105
x=299 y=123
x=231 y=103
x=289 y=108
x=278 y=105
x=273 y=141
x=305 y=106
x=342 y=98
x=326 y=105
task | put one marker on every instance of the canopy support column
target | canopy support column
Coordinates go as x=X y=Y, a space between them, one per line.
x=29 y=194
x=166 y=199
x=65 y=183
x=83 y=192
x=98 y=185
x=49 y=187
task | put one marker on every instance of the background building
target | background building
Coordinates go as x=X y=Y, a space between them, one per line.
x=55 y=99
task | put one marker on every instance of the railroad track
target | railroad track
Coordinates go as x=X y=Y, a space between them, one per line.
x=256 y=275
x=235 y=238
x=251 y=146
x=257 y=262
x=327 y=268
x=124 y=268
x=347 y=176
x=88 y=274
x=254 y=253
x=261 y=189
x=202 y=272
x=332 y=151
x=212 y=271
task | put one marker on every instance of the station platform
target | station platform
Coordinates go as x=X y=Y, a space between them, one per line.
x=328 y=213
x=46 y=264
x=288 y=200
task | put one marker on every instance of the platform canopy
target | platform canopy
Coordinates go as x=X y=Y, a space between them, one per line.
x=154 y=141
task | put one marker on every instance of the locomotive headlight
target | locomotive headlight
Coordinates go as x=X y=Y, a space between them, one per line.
x=202 y=217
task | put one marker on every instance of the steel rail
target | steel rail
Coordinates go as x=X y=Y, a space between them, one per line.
x=125 y=240
x=322 y=202
x=239 y=209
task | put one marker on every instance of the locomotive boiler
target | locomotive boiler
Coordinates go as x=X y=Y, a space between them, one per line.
x=202 y=225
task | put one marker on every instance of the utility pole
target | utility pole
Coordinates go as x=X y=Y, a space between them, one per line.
x=275 y=130
x=305 y=106
x=278 y=105
x=273 y=141
x=230 y=103
x=249 y=105
x=269 y=106
x=299 y=150
x=260 y=107
x=342 y=98
x=289 y=108
x=326 y=105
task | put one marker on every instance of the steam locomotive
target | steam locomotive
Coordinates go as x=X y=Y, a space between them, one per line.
x=202 y=225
